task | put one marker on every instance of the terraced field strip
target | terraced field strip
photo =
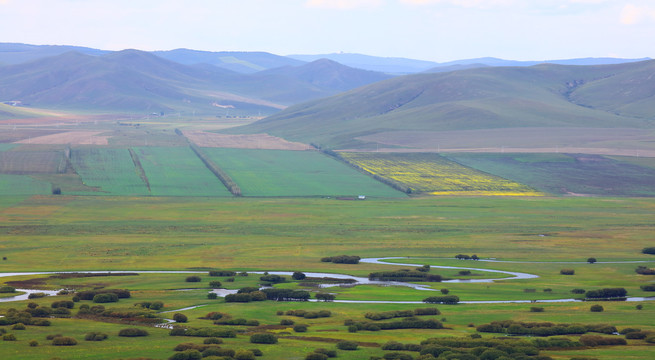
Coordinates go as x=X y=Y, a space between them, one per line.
x=570 y=174
x=177 y=171
x=294 y=173
x=111 y=171
x=436 y=175
x=31 y=162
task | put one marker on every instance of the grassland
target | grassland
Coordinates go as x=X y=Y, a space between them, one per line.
x=433 y=174
x=569 y=173
x=294 y=173
x=195 y=234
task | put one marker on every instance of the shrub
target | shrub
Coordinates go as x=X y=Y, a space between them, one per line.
x=578 y=291
x=347 y=345
x=36 y=295
x=591 y=260
x=639 y=307
x=95 y=336
x=215 y=284
x=180 y=318
x=298 y=275
x=639 y=335
x=329 y=353
x=567 y=272
x=7 y=289
x=607 y=293
x=33 y=343
x=52 y=336
x=64 y=303
x=596 y=308
x=156 y=305
x=536 y=309
x=445 y=291
x=64 y=341
x=300 y=328
x=191 y=354
x=212 y=340
x=286 y=322
x=342 y=259
x=257 y=352
x=595 y=340
x=446 y=299
x=132 y=332
x=105 y=298
x=263 y=338
x=18 y=326
x=316 y=356
x=222 y=273
x=244 y=355
x=193 y=278
x=649 y=287
x=649 y=250
x=212 y=296
x=9 y=337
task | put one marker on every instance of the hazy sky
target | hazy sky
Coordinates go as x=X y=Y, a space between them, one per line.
x=437 y=30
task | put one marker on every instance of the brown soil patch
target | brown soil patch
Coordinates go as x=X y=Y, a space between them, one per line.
x=253 y=141
x=69 y=137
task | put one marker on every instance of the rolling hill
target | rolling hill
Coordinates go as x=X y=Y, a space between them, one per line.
x=542 y=96
x=238 y=61
x=133 y=80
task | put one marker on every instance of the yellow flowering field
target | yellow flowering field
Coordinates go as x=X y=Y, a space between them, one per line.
x=433 y=174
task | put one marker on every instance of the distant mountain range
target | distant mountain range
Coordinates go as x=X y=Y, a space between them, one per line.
x=546 y=95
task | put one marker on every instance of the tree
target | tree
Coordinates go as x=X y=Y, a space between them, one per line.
x=181 y=318
x=591 y=260
x=596 y=308
x=298 y=276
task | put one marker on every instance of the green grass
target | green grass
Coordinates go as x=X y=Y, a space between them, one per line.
x=567 y=173
x=22 y=185
x=177 y=171
x=294 y=173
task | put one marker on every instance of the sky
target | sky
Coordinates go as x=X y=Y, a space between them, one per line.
x=435 y=30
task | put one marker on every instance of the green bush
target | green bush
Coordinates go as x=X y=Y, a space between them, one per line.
x=263 y=338
x=95 y=336
x=536 y=309
x=212 y=296
x=18 y=326
x=105 y=298
x=9 y=337
x=215 y=284
x=193 y=278
x=329 y=353
x=567 y=272
x=33 y=343
x=316 y=356
x=212 y=340
x=649 y=250
x=64 y=341
x=300 y=328
x=180 y=318
x=132 y=332
x=286 y=322
x=244 y=355
x=596 y=308
x=347 y=345
x=156 y=305
x=7 y=289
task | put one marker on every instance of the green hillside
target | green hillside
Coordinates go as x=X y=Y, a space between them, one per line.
x=486 y=98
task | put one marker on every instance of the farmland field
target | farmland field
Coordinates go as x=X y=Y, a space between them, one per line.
x=177 y=171
x=294 y=173
x=568 y=173
x=434 y=174
x=22 y=185
x=110 y=171
x=30 y=162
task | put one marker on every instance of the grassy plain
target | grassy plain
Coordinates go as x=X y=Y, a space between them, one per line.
x=55 y=233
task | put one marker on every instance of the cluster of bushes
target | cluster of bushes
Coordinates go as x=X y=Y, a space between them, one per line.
x=376 y=316
x=212 y=316
x=193 y=278
x=286 y=294
x=607 y=293
x=273 y=279
x=543 y=328
x=408 y=323
x=649 y=250
x=36 y=295
x=154 y=305
x=649 y=287
x=321 y=354
x=642 y=270
x=129 y=316
x=445 y=299
x=396 y=346
x=263 y=338
x=220 y=174
x=466 y=257
x=91 y=294
x=64 y=341
x=133 y=332
x=202 y=332
x=222 y=273
x=325 y=297
x=342 y=259
x=190 y=351
x=25 y=317
x=246 y=297
x=7 y=289
x=239 y=322
x=596 y=340
x=404 y=275
x=578 y=291
x=567 y=272
x=95 y=336
x=309 y=314
x=347 y=345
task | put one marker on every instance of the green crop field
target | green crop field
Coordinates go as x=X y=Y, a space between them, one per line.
x=294 y=173
x=110 y=171
x=177 y=171
x=22 y=185
x=568 y=173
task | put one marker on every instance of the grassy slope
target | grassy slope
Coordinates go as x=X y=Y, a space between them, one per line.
x=294 y=173
x=464 y=100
